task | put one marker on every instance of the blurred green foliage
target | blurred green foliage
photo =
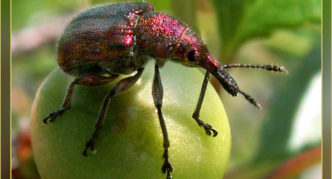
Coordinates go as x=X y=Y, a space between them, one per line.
x=242 y=20
x=284 y=32
x=27 y=13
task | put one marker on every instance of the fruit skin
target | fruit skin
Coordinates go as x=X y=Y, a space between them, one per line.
x=130 y=143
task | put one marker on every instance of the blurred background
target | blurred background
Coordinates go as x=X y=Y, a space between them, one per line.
x=280 y=141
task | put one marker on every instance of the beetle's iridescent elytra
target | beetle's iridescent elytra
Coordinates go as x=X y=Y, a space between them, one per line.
x=110 y=40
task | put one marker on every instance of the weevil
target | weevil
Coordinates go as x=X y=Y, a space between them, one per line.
x=107 y=41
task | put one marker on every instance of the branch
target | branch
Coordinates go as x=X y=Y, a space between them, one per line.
x=298 y=164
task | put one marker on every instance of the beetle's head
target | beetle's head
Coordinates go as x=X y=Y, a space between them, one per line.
x=191 y=51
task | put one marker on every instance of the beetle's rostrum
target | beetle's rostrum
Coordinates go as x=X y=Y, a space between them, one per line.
x=107 y=41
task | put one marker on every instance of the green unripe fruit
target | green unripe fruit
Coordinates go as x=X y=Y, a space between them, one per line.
x=130 y=143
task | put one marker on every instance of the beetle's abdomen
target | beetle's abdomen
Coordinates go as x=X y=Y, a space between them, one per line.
x=158 y=34
x=103 y=41
x=101 y=37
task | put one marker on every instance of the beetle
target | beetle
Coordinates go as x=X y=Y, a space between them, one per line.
x=107 y=41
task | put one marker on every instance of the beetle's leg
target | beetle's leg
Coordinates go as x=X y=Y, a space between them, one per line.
x=157 y=93
x=85 y=80
x=120 y=86
x=66 y=104
x=207 y=127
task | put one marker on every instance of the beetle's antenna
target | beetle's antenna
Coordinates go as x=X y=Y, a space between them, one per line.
x=250 y=99
x=263 y=67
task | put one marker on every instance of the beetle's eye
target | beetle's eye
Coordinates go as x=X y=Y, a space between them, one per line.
x=191 y=56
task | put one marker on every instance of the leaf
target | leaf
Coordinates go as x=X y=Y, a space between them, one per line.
x=242 y=20
x=185 y=10
x=276 y=129
x=29 y=13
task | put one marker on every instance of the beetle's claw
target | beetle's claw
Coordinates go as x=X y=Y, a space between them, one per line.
x=167 y=167
x=89 y=145
x=45 y=119
x=52 y=116
x=208 y=128
x=168 y=175
x=85 y=152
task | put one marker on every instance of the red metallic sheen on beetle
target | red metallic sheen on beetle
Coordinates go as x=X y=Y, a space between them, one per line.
x=123 y=43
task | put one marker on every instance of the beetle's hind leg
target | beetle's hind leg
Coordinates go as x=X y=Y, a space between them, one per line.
x=120 y=86
x=157 y=94
x=84 y=80
x=207 y=127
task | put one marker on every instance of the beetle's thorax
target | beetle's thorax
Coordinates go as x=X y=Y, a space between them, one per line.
x=162 y=36
x=158 y=34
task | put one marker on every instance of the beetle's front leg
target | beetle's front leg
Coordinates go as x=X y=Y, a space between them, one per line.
x=207 y=127
x=120 y=86
x=157 y=93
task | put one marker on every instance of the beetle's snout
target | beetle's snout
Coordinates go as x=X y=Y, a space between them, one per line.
x=225 y=79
